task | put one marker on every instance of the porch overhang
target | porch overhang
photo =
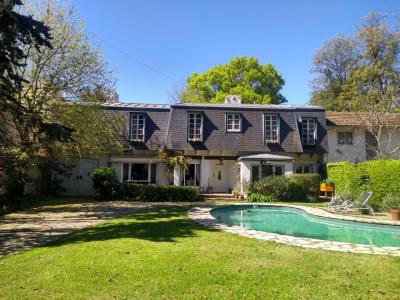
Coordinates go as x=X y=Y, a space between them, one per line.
x=266 y=157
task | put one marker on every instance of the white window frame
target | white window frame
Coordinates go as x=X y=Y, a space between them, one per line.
x=136 y=123
x=197 y=169
x=149 y=173
x=305 y=131
x=259 y=172
x=302 y=168
x=268 y=121
x=345 y=142
x=195 y=138
x=235 y=117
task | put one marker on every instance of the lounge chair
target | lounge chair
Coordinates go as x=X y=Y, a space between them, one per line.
x=355 y=206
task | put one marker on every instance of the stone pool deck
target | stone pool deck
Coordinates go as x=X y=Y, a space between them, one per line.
x=201 y=214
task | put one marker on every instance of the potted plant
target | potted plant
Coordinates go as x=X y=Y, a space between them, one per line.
x=392 y=202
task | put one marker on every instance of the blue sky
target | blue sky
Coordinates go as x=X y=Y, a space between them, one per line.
x=154 y=45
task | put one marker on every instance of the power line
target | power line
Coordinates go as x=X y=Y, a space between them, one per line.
x=138 y=61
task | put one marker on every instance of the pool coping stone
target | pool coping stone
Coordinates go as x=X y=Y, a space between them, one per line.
x=202 y=215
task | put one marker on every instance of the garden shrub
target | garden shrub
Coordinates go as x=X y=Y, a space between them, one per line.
x=141 y=192
x=276 y=187
x=379 y=176
x=299 y=187
x=306 y=187
x=254 y=197
x=105 y=183
x=391 y=201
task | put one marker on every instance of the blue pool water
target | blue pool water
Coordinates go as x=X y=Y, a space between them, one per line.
x=296 y=222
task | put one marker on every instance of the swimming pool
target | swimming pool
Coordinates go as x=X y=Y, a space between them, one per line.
x=296 y=222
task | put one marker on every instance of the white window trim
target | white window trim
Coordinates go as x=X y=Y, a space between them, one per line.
x=278 y=134
x=144 y=127
x=130 y=170
x=201 y=127
x=196 y=166
x=259 y=172
x=302 y=168
x=240 y=122
x=314 y=133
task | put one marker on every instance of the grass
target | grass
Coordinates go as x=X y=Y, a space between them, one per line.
x=161 y=254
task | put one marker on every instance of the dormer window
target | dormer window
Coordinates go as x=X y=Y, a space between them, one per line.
x=233 y=122
x=308 y=131
x=271 y=128
x=137 y=127
x=195 y=127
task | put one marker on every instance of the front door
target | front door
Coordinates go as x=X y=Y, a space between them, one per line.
x=220 y=178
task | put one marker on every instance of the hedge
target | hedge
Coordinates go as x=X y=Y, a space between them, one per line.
x=108 y=187
x=382 y=177
x=299 y=188
x=140 y=192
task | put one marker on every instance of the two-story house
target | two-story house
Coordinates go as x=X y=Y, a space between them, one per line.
x=228 y=143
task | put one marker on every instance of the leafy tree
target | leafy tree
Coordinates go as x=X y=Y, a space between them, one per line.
x=58 y=111
x=362 y=74
x=243 y=76
x=333 y=64
x=17 y=32
x=374 y=87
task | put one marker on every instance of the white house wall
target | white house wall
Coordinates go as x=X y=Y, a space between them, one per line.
x=355 y=152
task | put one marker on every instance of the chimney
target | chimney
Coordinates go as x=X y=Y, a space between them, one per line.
x=233 y=99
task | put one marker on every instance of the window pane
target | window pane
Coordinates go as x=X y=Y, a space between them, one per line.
x=349 y=138
x=278 y=170
x=233 y=122
x=125 y=172
x=139 y=172
x=308 y=131
x=307 y=169
x=266 y=170
x=137 y=127
x=254 y=173
x=153 y=173
x=271 y=128
x=298 y=169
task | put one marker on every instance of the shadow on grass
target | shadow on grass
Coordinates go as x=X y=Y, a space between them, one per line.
x=164 y=224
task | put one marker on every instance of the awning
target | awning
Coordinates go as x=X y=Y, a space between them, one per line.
x=265 y=156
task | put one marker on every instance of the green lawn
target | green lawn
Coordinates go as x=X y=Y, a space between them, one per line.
x=161 y=254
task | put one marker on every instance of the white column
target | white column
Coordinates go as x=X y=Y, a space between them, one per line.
x=203 y=175
x=177 y=176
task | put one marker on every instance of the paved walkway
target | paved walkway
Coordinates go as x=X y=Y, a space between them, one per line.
x=24 y=230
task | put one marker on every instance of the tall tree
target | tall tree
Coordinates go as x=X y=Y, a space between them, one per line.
x=58 y=101
x=17 y=32
x=362 y=74
x=374 y=87
x=333 y=64
x=243 y=76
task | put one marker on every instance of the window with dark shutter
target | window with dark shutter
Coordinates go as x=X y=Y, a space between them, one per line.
x=137 y=127
x=271 y=128
x=233 y=122
x=195 y=126
x=308 y=131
